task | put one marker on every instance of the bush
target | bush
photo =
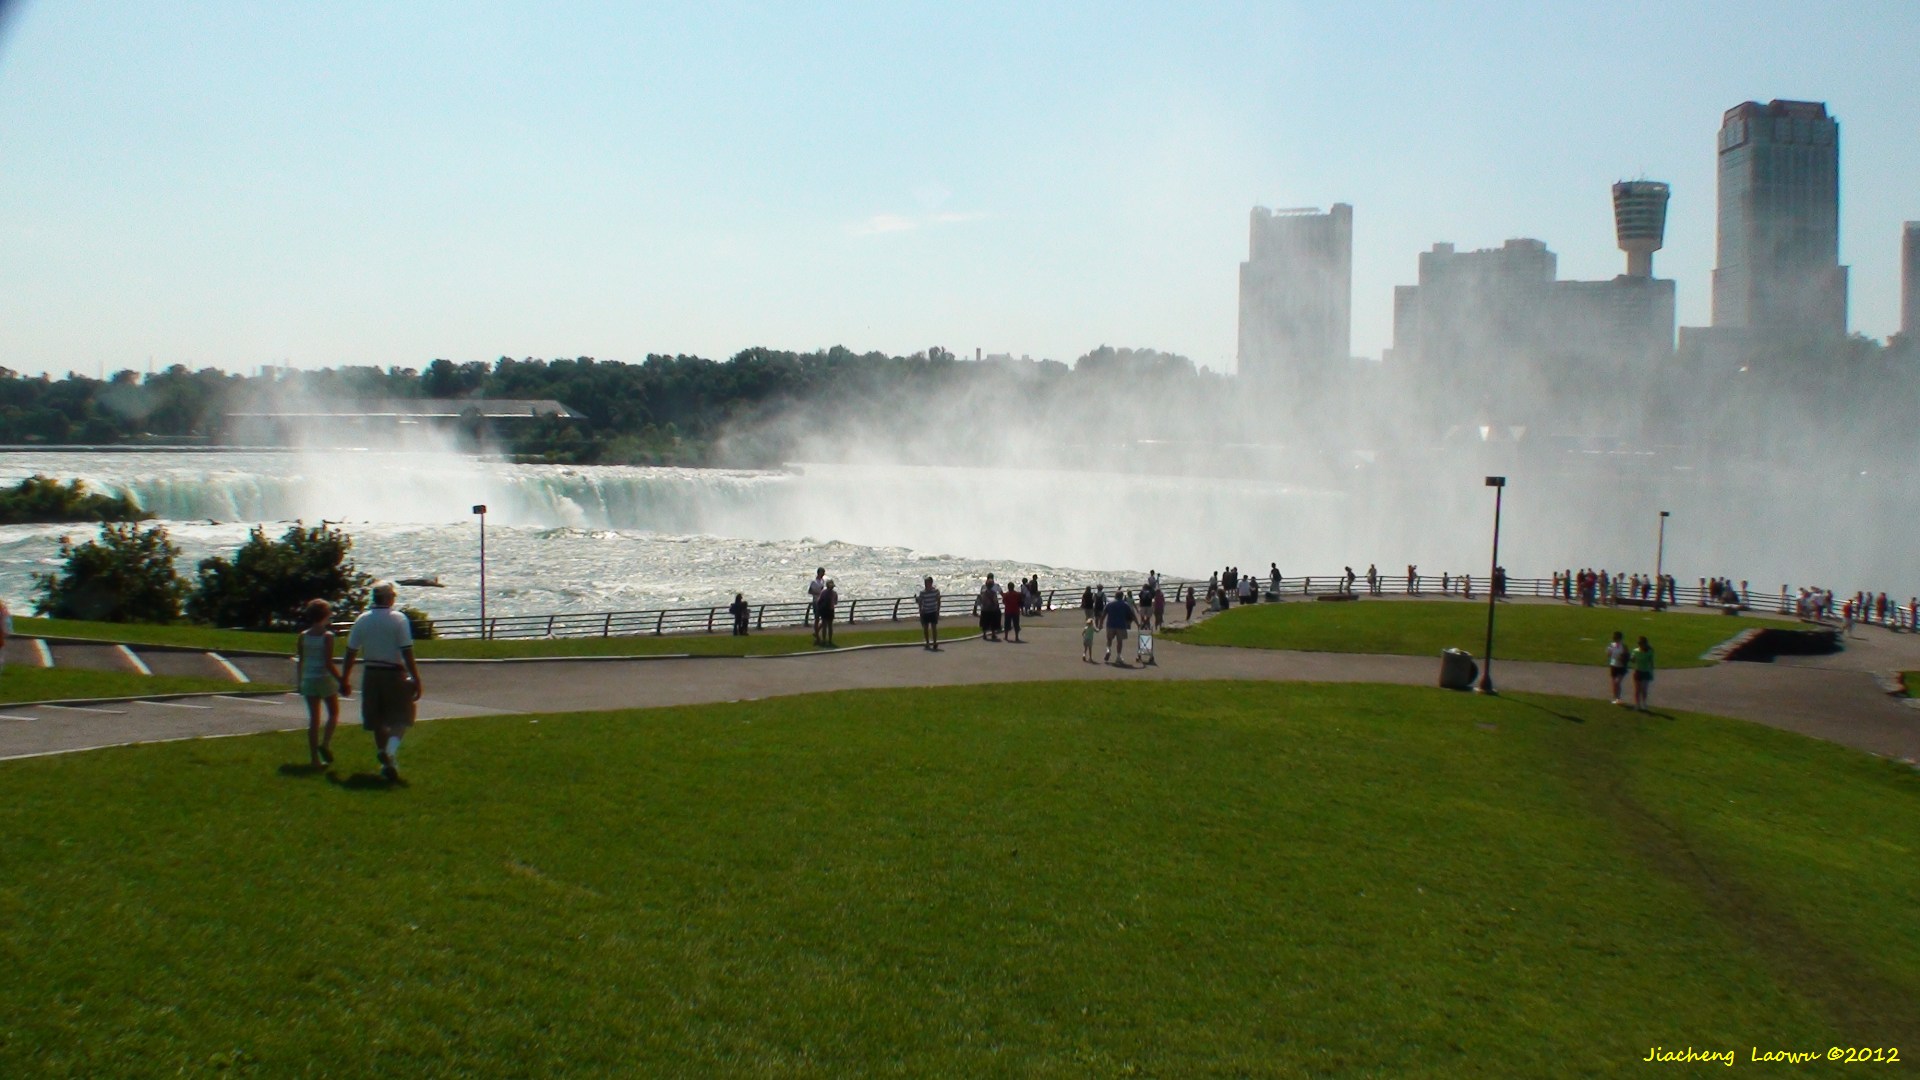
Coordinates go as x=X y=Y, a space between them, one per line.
x=125 y=576
x=420 y=623
x=267 y=582
x=40 y=499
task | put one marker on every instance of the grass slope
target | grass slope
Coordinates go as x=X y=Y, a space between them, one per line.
x=1550 y=632
x=772 y=643
x=19 y=683
x=1055 y=879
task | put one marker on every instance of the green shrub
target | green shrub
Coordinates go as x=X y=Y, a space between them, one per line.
x=126 y=575
x=42 y=499
x=267 y=582
x=420 y=623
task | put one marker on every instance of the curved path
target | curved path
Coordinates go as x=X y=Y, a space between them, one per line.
x=1836 y=698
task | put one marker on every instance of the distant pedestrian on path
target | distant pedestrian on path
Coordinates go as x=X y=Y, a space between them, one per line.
x=1012 y=601
x=1087 y=634
x=1159 y=608
x=391 y=688
x=1086 y=602
x=1120 y=618
x=1641 y=660
x=740 y=611
x=814 y=588
x=823 y=614
x=319 y=678
x=928 y=600
x=987 y=605
x=1189 y=603
x=1617 y=664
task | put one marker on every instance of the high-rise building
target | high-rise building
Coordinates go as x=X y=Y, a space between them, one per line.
x=1640 y=222
x=1495 y=336
x=1910 y=281
x=1779 y=266
x=1296 y=294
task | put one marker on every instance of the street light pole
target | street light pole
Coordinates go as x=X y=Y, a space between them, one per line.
x=1659 y=566
x=1499 y=486
x=481 y=509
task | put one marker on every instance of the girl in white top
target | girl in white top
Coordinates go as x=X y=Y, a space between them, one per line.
x=319 y=678
x=1617 y=662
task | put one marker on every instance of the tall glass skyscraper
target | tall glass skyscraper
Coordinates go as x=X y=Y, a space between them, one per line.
x=1779 y=252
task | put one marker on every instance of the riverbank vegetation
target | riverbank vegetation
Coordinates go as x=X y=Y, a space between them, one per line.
x=1043 y=879
x=42 y=500
x=758 y=408
x=1558 y=633
x=127 y=575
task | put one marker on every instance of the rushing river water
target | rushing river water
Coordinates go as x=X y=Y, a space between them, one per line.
x=565 y=538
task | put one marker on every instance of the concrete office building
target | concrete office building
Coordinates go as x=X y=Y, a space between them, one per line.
x=1495 y=336
x=1778 y=270
x=1296 y=296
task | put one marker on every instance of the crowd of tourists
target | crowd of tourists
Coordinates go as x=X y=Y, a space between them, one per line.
x=1589 y=587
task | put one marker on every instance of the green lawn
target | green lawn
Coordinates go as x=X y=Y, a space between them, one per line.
x=1553 y=632
x=196 y=637
x=1230 y=879
x=770 y=643
x=1911 y=679
x=19 y=683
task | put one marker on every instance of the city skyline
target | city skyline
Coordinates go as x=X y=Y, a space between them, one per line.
x=234 y=186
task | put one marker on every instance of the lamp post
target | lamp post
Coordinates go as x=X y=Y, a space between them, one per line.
x=1659 y=567
x=481 y=509
x=1499 y=486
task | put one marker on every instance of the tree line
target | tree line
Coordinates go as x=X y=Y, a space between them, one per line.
x=684 y=410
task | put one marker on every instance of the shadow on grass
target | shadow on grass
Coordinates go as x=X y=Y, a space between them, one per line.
x=302 y=769
x=1555 y=713
x=362 y=781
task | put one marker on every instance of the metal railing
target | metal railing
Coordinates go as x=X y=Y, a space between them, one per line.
x=777 y=615
x=794 y=613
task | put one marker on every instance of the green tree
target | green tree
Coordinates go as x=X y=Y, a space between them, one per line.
x=126 y=575
x=267 y=582
x=43 y=499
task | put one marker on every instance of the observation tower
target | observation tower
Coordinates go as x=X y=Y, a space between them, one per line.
x=1640 y=222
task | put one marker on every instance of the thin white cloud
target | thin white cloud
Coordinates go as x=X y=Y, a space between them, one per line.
x=886 y=223
x=894 y=223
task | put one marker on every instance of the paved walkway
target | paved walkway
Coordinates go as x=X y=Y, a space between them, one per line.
x=1835 y=698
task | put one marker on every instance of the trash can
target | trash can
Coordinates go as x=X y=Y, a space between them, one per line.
x=1457 y=670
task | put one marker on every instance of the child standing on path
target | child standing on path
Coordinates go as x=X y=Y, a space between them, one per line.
x=319 y=678
x=1086 y=641
x=1617 y=663
x=1642 y=662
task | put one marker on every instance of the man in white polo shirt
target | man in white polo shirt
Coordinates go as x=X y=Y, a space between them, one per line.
x=392 y=683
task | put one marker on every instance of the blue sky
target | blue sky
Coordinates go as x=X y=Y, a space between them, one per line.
x=230 y=184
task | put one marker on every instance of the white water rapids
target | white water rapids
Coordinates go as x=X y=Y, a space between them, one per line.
x=570 y=539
